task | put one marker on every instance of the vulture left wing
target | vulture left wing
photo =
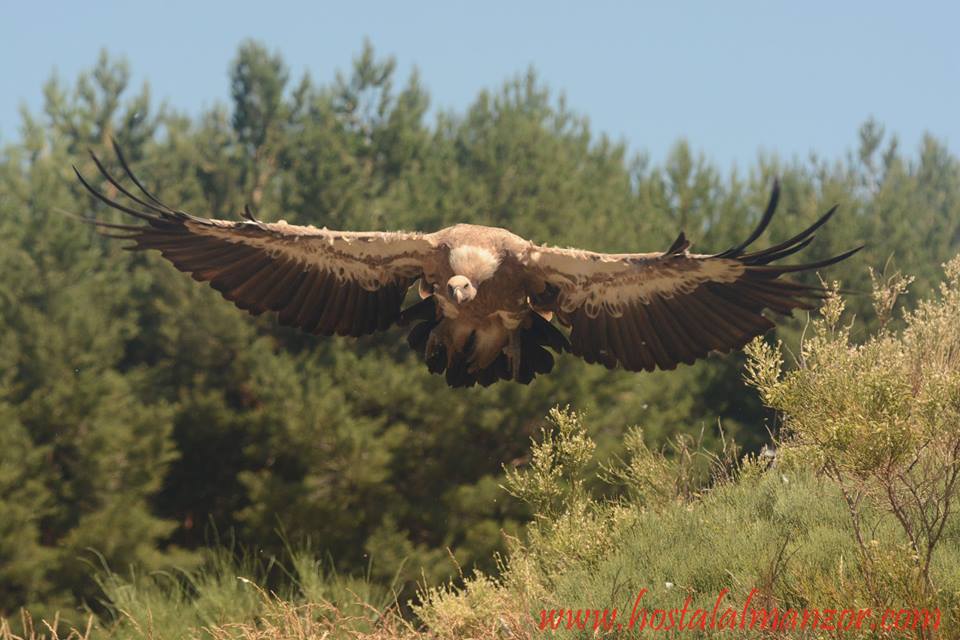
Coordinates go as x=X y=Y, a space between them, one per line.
x=321 y=281
x=654 y=310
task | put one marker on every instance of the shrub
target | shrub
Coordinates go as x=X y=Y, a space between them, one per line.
x=881 y=420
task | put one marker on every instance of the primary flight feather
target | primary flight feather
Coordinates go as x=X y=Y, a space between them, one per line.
x=489 y=298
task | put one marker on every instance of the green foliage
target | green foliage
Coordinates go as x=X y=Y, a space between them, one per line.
x=786 y=534
x=893 y=437
x=85 y=444
x=137 y=408
x=556 y=473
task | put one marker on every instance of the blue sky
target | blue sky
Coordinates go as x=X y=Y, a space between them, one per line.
x=731 y=77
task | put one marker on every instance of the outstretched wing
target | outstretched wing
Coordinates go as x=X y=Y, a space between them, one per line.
x=321 y=281
x=649 y=310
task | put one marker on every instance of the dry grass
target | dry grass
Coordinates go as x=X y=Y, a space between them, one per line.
x=284 y=620
x=281 y=621
x=29 y=630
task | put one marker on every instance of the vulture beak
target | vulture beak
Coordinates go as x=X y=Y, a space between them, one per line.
x=458 y=295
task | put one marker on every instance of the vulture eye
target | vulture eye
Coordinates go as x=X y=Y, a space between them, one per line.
x=450 y=290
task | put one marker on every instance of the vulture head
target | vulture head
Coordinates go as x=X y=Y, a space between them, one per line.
x=461 y=289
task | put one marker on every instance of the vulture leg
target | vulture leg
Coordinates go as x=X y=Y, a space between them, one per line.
x=513 y=350
x=441 y=341
x=434 y=345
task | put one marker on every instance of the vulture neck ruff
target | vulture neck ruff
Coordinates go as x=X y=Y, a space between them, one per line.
x=476 y=263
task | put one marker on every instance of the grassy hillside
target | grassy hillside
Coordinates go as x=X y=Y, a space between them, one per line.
x=857 y=510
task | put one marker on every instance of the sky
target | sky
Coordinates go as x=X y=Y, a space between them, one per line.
x=733 y=78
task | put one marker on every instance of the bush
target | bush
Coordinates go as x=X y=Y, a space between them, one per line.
x=881 y=420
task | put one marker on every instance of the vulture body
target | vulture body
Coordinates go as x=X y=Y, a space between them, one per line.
x=488 y=298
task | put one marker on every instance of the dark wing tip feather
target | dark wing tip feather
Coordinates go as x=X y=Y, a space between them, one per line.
x=760 y=261
x=112 y=203
x=808 y=266
x=770 y=255
x=762 y=257
x=153 y=210
x=126 y=169
x=109 y=178
x=765 y=219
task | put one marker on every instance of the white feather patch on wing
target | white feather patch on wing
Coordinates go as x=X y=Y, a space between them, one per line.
x=476 y=263
x=372 y=259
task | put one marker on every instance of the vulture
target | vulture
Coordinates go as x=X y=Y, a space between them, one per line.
x=490 y=302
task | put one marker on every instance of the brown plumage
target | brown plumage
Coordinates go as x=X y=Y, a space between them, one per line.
x=488 y=297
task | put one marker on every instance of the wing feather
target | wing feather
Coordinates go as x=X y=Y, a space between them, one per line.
x=641 y=353
x=647 y=310
x=319 y=280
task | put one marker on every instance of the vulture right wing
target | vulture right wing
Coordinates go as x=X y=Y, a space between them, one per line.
x=321 y=281
x=655 y=310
